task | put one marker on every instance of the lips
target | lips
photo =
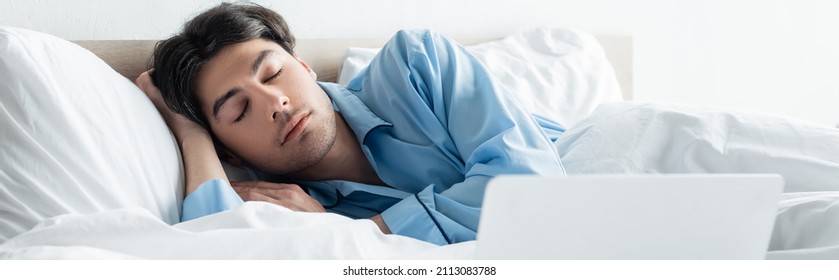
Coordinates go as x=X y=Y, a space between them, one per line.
x=295 y=127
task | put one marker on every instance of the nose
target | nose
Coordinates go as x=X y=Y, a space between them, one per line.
x=277 y=103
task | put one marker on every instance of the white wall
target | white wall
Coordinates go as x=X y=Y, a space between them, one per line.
x=776 y=56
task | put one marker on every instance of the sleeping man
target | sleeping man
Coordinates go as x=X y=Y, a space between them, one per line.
x=410 y=143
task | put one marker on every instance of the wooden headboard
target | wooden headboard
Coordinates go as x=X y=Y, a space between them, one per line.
x=131 y=57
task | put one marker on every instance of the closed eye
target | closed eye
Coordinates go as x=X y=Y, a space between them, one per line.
x=273 y=76
x=244 y=110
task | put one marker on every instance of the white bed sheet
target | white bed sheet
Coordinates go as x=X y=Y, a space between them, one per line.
x=256 y=230
x=628 y=137
x=617 y=138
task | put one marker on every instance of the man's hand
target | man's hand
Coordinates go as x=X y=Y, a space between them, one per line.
x=290 y=196
x=179 y=124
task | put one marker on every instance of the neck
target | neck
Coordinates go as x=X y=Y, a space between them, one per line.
x=344 y=161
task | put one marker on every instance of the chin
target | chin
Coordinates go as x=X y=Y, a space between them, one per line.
x=312 y=149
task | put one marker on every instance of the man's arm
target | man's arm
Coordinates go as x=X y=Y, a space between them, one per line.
x=201 y=163
x=207 y=187
x=207 y=190
x=490 y=131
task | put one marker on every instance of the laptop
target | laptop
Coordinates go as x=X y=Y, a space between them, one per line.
x=617 y=217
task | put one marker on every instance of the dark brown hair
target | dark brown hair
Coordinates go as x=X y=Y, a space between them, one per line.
x=177 y=60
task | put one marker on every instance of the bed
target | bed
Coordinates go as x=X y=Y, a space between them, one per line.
x=91 y=172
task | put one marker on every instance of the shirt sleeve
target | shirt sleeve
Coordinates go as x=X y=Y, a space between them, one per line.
x=212 y=196
x=492 y=133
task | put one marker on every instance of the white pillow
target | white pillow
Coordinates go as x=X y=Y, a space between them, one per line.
x=559 y=73
x=77 y=137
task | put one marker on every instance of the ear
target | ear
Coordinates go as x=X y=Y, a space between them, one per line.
x=225 y=155
x=306 y=66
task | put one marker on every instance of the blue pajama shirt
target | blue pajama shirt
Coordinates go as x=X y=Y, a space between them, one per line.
x=436 y=127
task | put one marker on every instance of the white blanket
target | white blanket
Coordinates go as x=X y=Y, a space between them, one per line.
x=626 y=137
x=617 y=138
x=256 y=230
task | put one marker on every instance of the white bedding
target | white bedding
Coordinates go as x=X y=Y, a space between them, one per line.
x=626 y=137
x=77 y=137
x=257 y=230
x=618 y=137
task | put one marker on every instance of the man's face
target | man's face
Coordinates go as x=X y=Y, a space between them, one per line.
x=264 y=105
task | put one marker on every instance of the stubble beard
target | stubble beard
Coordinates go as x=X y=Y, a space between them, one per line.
x=312 y=148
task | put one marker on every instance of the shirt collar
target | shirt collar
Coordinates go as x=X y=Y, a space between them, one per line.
x=357 y=115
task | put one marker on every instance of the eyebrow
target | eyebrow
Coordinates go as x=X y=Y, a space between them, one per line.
x=258 y=62
x=221 y=100
x=254 y=67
